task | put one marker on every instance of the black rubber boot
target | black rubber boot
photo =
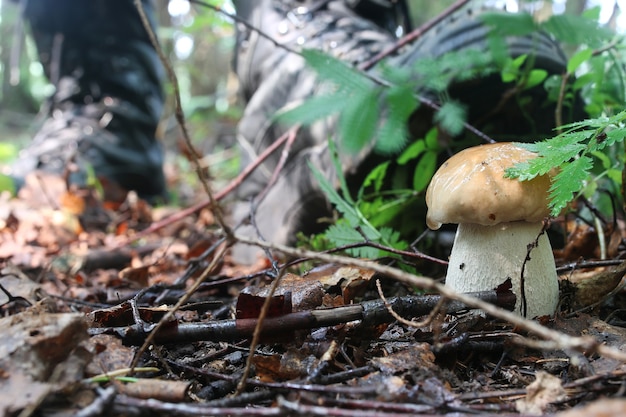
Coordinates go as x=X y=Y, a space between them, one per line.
x=108 y=97
x=273 y=79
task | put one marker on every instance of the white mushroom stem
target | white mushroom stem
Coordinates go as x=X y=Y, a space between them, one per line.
x=483 y=257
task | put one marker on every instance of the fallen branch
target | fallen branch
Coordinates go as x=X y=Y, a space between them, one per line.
x=369 y=313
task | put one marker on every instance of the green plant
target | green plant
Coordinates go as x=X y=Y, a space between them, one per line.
x=353 y=226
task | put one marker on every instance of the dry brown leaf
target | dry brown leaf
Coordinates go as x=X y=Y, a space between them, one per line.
x=39 y=353
x=306 y=294
x=349 y=281
x=415 y=356
x=109 y=354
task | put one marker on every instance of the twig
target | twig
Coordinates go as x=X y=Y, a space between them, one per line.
x=184 y=409
x=558 y=110
x=587 y=264
x=246 y=24
x=291 y=137
x=467 y=126
x=410 y=323
x=287 y=385
x=180 y=117
x=409 y=254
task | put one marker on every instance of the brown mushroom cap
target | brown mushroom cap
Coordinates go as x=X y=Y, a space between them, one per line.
x=470 y=188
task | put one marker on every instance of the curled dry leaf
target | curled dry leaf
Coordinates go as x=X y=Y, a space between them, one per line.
x=544 y=390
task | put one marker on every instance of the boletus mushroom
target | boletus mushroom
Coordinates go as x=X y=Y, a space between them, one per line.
x=500 y=223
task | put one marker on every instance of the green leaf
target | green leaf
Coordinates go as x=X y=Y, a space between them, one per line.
x=603 y=158
x=558 y=150
x=612 y=137
x=392 y=238
x=535 y=77
x=376 y=177
x=7 y=184
x=333 y=196
x=517 y=24
x=382 y=211
x=424 y=170
x=451 y=116
x=314 y=109
x=414 y=150
x=512 y=69
x=8 y=151
x=400 y=103
x=336 y=71
x=576 y=30
x=432 y=139
x=341 y=234
x=358 y=120
x=334 y=157
x=498 y=48
x=578 y=58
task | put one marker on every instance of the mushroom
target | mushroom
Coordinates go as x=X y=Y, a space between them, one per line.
x=499 y=220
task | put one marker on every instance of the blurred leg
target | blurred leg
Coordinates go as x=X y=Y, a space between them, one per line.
x=108 y=97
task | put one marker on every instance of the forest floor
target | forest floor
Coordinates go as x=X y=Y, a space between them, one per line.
x=84 y=288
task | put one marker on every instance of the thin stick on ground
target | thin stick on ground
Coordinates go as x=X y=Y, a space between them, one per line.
x=410 y=323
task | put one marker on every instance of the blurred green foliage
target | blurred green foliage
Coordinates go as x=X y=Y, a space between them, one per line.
x=588 y=154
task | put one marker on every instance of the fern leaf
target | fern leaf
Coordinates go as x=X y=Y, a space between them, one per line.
x=313 y=109
x=336 y=71
x=392 y=135
x=358 y=119
x=517 y=24
x=569 y=181
x=341 y=234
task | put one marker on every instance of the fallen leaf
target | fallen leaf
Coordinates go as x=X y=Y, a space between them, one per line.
x=545 y=389
x=348 y=281
x=305 y=294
